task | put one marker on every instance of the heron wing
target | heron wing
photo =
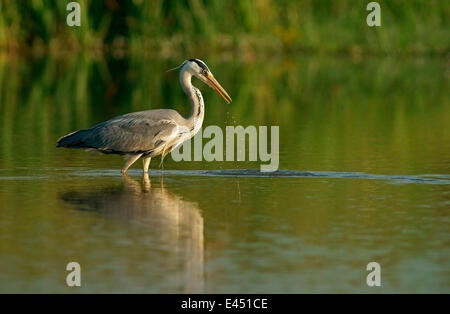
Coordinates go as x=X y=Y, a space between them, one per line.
x=141 y=132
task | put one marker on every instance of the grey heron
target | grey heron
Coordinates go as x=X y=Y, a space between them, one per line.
x=149 y=133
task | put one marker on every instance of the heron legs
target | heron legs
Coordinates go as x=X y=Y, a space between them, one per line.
x=146 y=184
x=146 y=163
x=163 y=154
x=129 y=160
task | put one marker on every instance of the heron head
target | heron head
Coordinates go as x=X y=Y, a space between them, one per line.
x=200 y=70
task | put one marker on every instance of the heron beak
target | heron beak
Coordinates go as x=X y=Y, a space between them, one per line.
x=217 y=87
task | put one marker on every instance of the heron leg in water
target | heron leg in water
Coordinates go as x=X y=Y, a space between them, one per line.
x=146 y=185
x=146 y=163
x=130 y=159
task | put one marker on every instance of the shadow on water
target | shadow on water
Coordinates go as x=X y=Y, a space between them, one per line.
x=170 y=219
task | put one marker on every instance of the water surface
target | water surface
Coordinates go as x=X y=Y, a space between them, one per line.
x=364 y=176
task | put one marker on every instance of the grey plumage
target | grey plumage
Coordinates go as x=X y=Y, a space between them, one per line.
x=138 y=132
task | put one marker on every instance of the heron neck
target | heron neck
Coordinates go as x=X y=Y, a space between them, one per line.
x=195 y=119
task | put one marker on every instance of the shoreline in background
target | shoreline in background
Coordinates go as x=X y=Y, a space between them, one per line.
x=163 y=49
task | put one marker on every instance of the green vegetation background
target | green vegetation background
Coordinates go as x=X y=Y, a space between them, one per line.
x=185 y=26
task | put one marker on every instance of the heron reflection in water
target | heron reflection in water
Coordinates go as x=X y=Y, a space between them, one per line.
x=177 y=224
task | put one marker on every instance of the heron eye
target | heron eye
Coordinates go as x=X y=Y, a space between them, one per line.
x=204 y=72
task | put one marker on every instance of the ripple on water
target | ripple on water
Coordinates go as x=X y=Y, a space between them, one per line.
x=254 y=173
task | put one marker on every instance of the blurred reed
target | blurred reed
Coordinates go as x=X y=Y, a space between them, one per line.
x=168 y=28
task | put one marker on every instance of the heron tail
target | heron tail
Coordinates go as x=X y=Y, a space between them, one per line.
x=72 y=140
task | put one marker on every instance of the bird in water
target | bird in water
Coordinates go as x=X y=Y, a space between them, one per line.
x=150 y=133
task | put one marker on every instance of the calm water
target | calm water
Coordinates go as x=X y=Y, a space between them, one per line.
x=364 y=176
